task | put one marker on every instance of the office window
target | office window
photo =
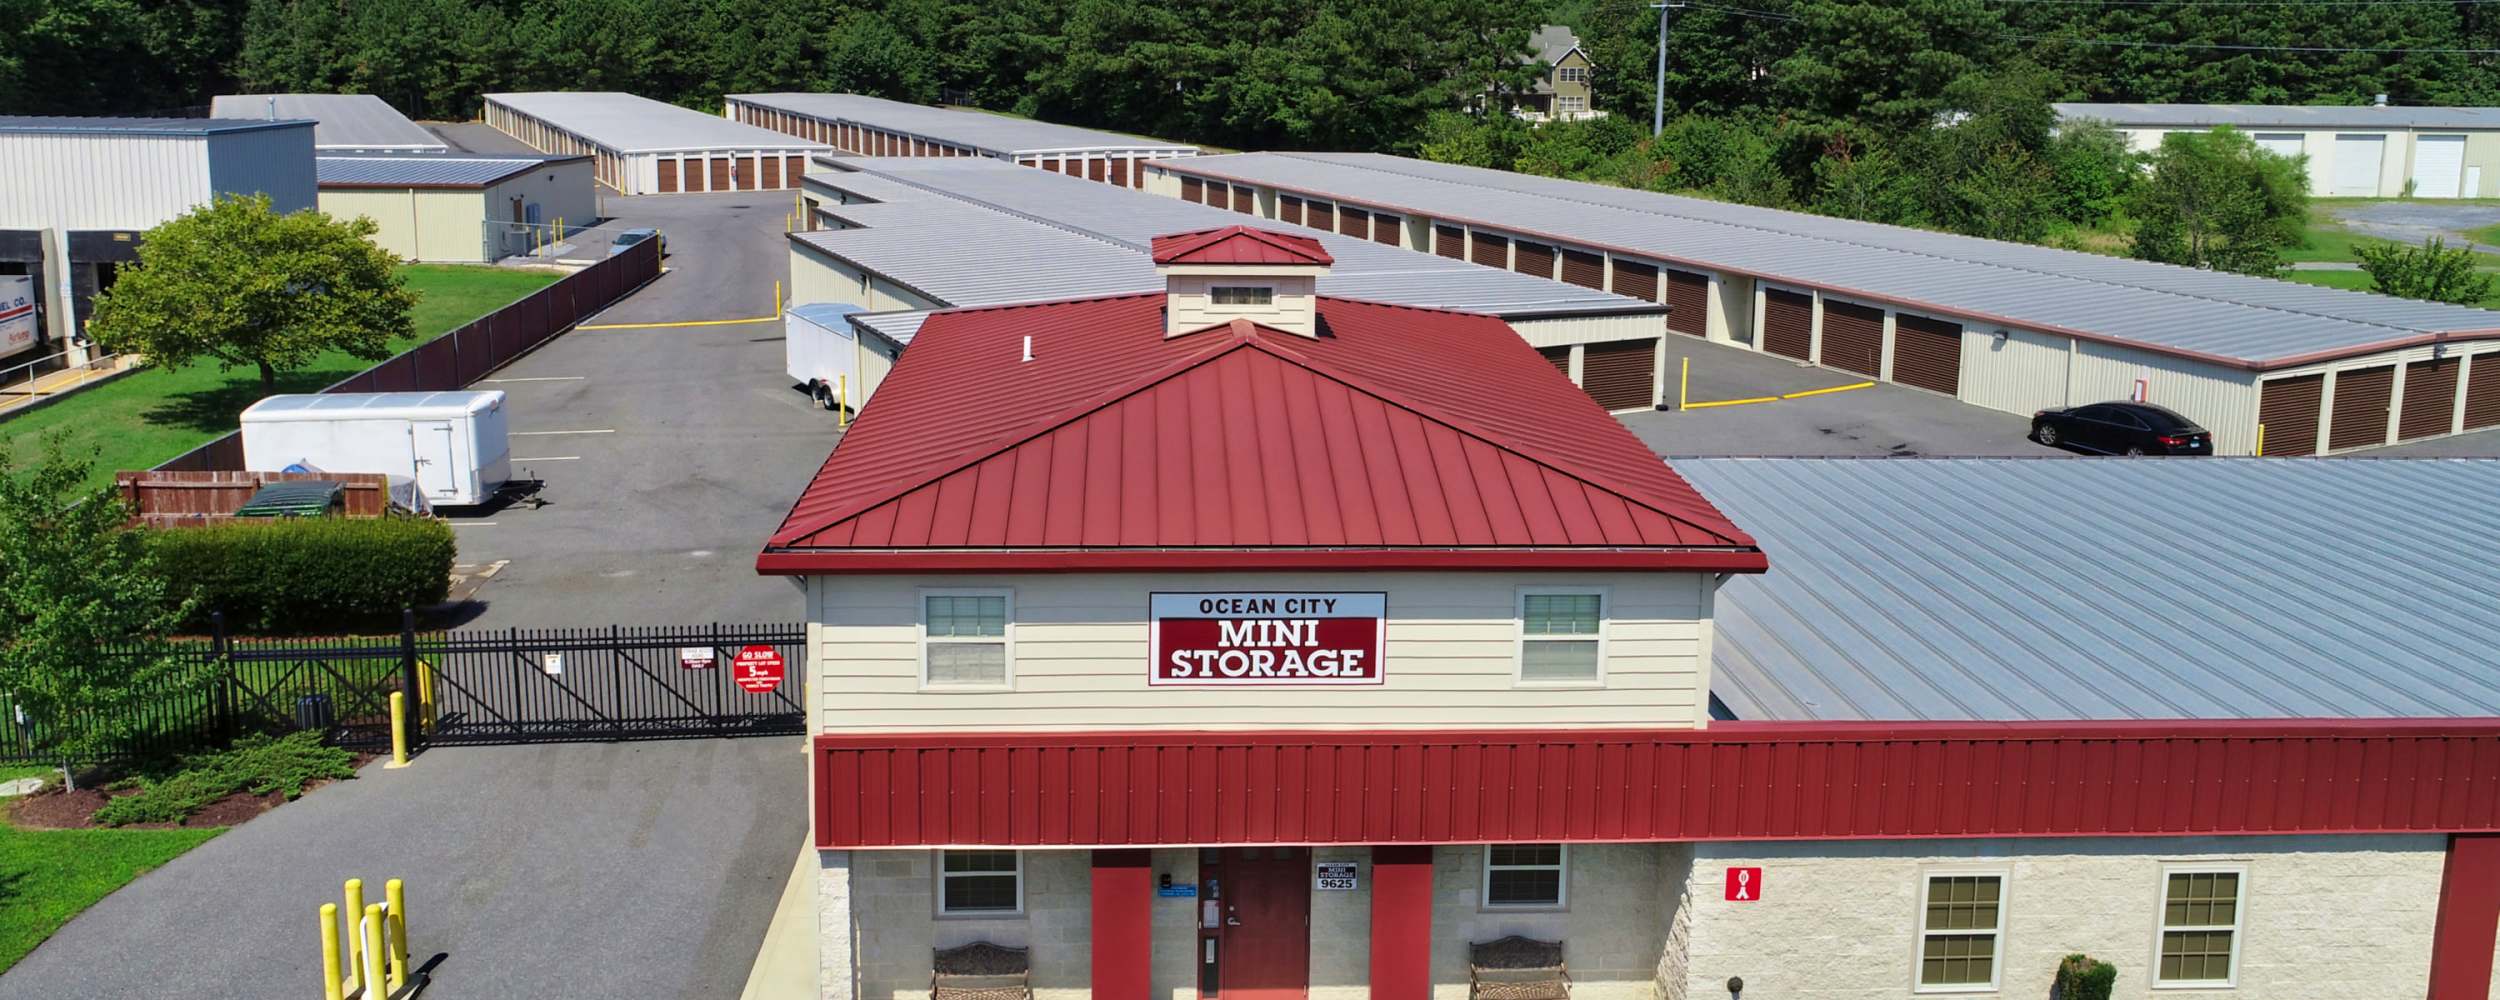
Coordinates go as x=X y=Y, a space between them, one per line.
x=1964 y=914
x=980 y=882
x=964 y=639
x=1561 y=636
x=1244 y=295
x=2200 y=928
x=1524 y=875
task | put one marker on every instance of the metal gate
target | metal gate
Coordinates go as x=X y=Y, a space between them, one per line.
x=617 y=683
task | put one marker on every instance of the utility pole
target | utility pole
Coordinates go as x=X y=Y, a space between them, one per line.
x=1658 y=105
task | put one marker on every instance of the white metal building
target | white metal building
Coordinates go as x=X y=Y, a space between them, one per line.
x=80 y=192
x=349 y=123
x=873 y=126
x=2286 y=368
x=467 y=209
x=2371 y=151
x=909 y=236
x=642 y=146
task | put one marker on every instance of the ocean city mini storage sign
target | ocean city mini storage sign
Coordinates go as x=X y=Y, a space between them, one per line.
x=1235 y=639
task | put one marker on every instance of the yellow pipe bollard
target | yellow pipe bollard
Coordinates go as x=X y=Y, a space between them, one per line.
x=842 y=400
x=330 y=989
x=1684 y=384
x=355 y=943
x=369 y=943
x=396 y=913
x=399 y=740
x=2261 y=441
x=776 y=299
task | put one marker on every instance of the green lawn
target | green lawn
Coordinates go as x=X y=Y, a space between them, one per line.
x=49 y=876
x=146 y=418
x=2358 y=281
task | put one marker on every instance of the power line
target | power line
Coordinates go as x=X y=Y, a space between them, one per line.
x=1765 y=15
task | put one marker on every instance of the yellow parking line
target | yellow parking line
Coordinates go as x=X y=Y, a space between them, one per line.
x=1825 y=389
x=1731 y=402
x=690 y=322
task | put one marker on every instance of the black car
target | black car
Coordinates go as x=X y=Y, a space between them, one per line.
x=2122 y=428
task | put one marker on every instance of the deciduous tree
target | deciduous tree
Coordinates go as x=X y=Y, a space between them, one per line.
x=2214 y=200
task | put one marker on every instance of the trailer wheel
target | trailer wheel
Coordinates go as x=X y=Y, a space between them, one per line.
x=824 y=397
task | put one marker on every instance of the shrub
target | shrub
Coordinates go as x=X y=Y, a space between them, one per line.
x=308 y=574
x=2082 y=977
x=2431 y=271
x=255 y=764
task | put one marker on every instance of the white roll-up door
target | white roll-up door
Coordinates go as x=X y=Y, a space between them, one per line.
x=2357 y=160
x=2284 y=144
x=2438 y=165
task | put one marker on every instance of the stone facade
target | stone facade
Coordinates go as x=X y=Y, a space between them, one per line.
x=2323 y=917
x=1613 y=923
x=894 y=924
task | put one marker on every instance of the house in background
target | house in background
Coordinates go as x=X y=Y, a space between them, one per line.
x=2355 y=151
x=1565 y=93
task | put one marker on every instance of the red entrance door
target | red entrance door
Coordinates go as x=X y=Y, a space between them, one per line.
x=1263 y=943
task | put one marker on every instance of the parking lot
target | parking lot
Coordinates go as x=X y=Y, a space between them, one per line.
x=1880 y=420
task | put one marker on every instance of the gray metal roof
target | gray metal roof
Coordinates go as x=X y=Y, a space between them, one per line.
x=360 y=122
x=625 y=123
x=78 y=124
x=2210 y=315
x=981 y=130
x=898 y=327
x=425 y=171
x=972 y=231
x=2007 y=589
x=2296 y=116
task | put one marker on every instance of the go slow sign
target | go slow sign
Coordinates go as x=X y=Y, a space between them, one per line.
x=1274 y=639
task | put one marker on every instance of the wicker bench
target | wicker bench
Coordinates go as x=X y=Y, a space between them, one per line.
x=981 y=971
x=1517 y=968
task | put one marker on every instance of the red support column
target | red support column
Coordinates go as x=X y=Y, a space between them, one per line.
x=1124 y=897
x=2469 y=917
x=1402 y=922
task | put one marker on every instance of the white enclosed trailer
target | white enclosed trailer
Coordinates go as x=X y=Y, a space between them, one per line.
x=452 y=443
x=832 y=358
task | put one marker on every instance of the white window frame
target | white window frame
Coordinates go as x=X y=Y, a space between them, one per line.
x=1520 y=637
x=920 y=619
x=1562 y=881
x=937 y=889
x=2161 y=923
x=1918 y=928
x=1216 y=306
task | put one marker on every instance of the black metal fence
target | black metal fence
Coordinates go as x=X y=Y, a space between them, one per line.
x=469 y=686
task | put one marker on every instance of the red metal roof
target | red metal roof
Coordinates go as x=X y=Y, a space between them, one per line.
x=1402 y=438
x=1729 y=782
x=1240 y=245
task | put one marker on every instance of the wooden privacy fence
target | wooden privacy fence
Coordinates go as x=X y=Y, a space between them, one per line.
x=164 y=498
x=467 y=354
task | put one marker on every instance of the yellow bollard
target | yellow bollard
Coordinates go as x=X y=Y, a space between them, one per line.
x=1684 y=384
x=370 y=944
x=395 y=913
x=399 y=737
x=425 y=695
x=2261 y=441
x=330 y=989
x=842 y=400
x=355 y=944
x=776 y=299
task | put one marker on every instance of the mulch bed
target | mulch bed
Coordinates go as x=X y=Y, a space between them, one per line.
x=54 y=809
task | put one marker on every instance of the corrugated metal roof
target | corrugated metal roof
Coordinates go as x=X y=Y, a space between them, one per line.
x=994 y=134
x=141 y=126
x=2210 y=315
x=2298 y=116
x=899 y=327
x=991 y=233
x=425 y=171
x=1240 y=245
x=629 y=124
x=1115 y=440
x=2003 y=589
x=348 y=121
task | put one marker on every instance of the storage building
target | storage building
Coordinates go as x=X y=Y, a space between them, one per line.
x=642 y=146
x=921 y=234
x=872 y=126
x=2370 y=151
x=348 y=123
x=471 y=209
x=2295 y=369
x=1173 y=658
x=80 y=192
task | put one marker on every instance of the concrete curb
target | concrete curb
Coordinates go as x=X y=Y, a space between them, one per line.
x=785 y=965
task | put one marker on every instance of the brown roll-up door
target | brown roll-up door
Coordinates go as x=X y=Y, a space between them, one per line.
x=1533 y=258
x=1559 y=356
x=748 y=173
x=1193 y=189
x=1621 y=375
x=920 y=147
x=668 y=177
x=1638 y=281
x=2287 y=414
x=2430 y=398
x=1323 y=216
x=1853 y=338
x=1244 y=202
x=1927 y=353
x=1097 y=170
x=1584 y=269
x=2362 y=396
x=1289 y=208
x=1787 y=322
x=1354 y=222
x=1385 y=229
x=1450 y=242
x=1119 y=172
x=1491 y=251
x=2482 y=391
x=1688 y=303
x=719 y=176
x=792 y=169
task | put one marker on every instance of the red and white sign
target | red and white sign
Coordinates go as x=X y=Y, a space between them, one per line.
x=17 y=313
x=1271 y=639
x=1744 y=885
x=697 y=658
x=757 y=669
